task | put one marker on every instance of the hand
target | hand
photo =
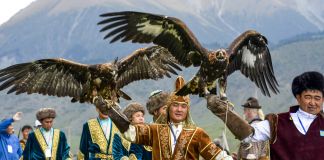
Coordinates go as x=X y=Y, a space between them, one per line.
x=216 y=104
x=17 y=116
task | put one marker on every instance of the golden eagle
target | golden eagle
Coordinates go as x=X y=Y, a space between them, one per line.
x=248 y=52
x=60 y=77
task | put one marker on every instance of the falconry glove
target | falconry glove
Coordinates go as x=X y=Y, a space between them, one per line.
x=224 y=110
x=112 y=109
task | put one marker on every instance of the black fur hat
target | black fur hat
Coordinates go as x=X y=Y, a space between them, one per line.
x=308 y=80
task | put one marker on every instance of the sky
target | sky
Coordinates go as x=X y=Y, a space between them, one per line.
x=10 y=7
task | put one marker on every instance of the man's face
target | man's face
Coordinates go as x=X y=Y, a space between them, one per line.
x=25 y=133
x=310 y=101
x=10 y=129
x=138 y=118
x=47 y=123
x=178 y=111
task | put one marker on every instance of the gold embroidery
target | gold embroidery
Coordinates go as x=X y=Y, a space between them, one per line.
x=132 y=157
x=43 y=144
x=184 y=140
x=125 y=143
x=97 y=135
x=148 y=148
x=213 y=149
x=56 y=138
x=41 y=140
x=164 y=140
x=80 y=156
x=103 y=156
x=114 y=130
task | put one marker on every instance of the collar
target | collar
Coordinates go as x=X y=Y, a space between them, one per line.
x=44 y=130
x=176 y=125
x=305 y=115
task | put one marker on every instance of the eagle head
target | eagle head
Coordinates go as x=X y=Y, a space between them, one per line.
x=217 y=56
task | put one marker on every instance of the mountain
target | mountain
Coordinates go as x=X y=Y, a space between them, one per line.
x=60 y=28
x=67 y=29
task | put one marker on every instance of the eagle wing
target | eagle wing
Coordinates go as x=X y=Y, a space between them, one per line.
x=249 y=54
x=167 y=32
x=147 y=63
x=54 y=77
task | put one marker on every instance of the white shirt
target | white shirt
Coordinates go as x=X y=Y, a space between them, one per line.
x=262 y=129
x=174 y=136
x=48 y=136
x=105 y=125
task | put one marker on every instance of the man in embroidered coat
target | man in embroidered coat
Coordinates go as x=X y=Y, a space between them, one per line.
x=122 y=148
x=157 y=104
x=176 y=138
x=253 y=150
x=97 y=137
x=46 y=142
x=297 y=134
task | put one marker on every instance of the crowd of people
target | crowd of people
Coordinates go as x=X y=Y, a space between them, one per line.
x=122 y=135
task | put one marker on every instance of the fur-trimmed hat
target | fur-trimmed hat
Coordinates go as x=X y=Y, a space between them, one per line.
x=308 y=80
x=157 y=99
x=133 y=108
x=45 y=113
x=252 y=103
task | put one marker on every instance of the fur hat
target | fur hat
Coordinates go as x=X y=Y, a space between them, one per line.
x=133 y=108
x=157 y=99
x=45 y=113
x=308 y=80
x=252 y=103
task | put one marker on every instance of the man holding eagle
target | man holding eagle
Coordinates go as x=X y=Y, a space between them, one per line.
x=176 y=45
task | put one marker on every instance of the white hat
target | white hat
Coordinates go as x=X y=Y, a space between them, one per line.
x=37 y=123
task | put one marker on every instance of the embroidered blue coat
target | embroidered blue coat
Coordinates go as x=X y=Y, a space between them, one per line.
x=93 y=144
x=36 y=145
x=123 y=148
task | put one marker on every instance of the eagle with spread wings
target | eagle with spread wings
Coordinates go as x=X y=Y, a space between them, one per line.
x=248 y=52
x=60 y=77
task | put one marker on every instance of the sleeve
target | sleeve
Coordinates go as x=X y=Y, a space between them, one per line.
x=28 y=147
x=261 y=132
x=65 y=146
x=140 y=134
x=117 y=147
x=4 y=124
x=83 y=153
x=207 y=149
x=144 y=134
x=19 y=151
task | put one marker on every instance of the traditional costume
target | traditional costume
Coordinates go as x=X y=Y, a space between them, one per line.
x=294 y=135
x=254 y=150
x=180 y=141
x=123 y=149
x=97 y=139
x=46 y=144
